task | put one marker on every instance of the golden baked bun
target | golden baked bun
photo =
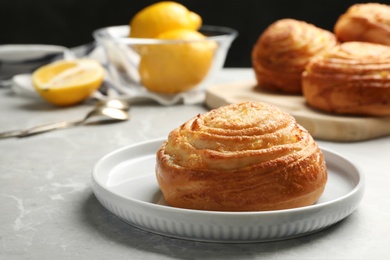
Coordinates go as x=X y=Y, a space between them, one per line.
x=243 y=157
x=352 y=78
x=283 y=50
x=368 y=22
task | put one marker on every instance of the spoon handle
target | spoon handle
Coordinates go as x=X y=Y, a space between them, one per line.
x=48 y=127
x=39 y=129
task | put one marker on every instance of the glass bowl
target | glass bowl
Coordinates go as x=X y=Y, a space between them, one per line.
x=157 y=64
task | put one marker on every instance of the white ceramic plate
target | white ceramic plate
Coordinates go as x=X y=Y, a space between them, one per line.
x=25 y=58
x=124 y=182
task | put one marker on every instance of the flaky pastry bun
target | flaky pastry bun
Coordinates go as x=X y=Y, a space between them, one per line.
x=368 y=22
x=352 y=78
x=243 y=157
x=283 y=50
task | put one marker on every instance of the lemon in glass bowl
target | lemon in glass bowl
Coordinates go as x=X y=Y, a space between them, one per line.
x=165 y=49
x=161 y=17
x=187 y=63
x=177 y=66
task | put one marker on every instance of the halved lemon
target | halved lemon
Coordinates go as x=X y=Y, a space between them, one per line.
x=68 y=82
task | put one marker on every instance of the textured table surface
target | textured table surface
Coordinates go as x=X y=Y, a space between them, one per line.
x=48 y=209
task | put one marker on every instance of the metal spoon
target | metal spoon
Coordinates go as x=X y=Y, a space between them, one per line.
x=113 y=103
x=110 y=110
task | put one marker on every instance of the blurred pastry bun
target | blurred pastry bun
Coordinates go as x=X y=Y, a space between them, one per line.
x=369 y=22
x=283 y=50
x=352 y=78
x=249 y=156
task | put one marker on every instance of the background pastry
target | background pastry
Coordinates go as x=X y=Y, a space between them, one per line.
x=283 y=50
x=368 y=22
x=244 y=157
x=352 y=78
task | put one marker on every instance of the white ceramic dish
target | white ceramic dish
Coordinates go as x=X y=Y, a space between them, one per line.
x=124 y=182
x=25 y=58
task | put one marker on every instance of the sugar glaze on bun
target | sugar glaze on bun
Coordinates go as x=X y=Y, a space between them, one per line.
x=249 y=156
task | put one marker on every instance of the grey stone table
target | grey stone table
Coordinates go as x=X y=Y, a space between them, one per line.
x=48 y=209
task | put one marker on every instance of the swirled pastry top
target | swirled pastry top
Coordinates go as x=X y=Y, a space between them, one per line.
x=234 y=137
x=247 y=156
x=352 y=78
x=283 y=50
x=368 y=22
x=359 y=59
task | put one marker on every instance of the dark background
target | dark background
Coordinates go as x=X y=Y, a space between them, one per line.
x=71 y=22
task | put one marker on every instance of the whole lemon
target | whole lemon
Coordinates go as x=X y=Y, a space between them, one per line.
x=163 y=16
x=178 y=66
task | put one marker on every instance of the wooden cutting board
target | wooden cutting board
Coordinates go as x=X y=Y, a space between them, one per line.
x=322 y=126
